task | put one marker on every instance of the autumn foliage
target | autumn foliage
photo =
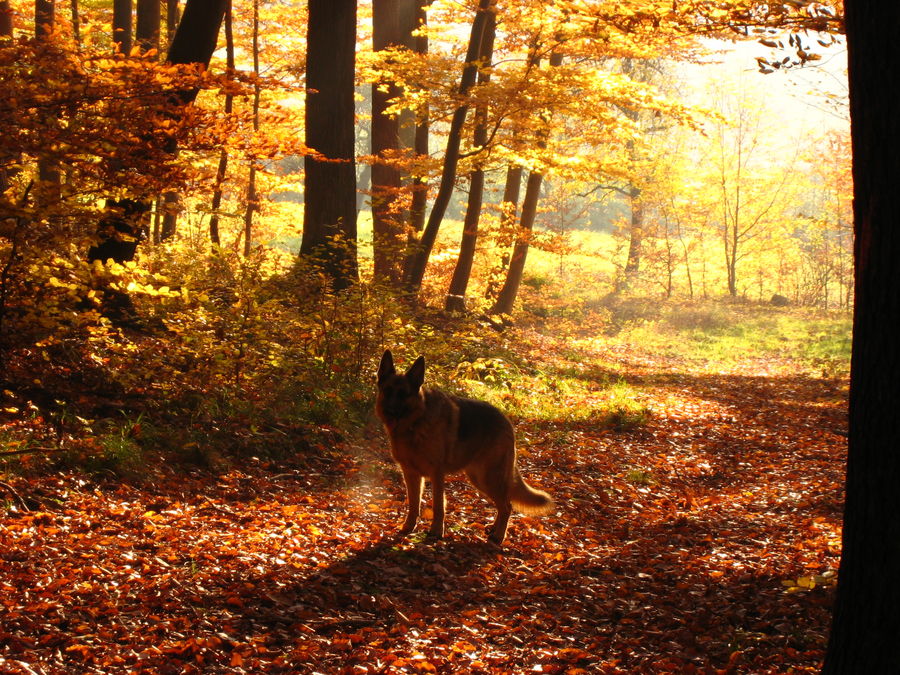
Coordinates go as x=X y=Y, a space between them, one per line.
x=192 y=477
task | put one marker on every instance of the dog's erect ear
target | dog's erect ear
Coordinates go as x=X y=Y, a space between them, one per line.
x=416 y=373
x=386 y=367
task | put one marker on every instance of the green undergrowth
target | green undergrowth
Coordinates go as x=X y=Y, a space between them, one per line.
x=253 y=358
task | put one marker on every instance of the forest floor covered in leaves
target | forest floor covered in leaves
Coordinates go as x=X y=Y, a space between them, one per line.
x=704 y=541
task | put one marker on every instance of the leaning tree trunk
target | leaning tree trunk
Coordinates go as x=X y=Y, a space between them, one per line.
x=508 y=214
x=329 y=206
x=456 y=296
x=415 y=271
x=507 y=296
x=866 y=620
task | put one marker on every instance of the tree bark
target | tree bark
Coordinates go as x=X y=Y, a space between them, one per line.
x=49 y=176
x=393 y=22
x=419 y=204
x=456 y=296
x=121 y=25
x=636 y=237
x=329 y=206
x=866 y=617
x=146 y=30
x=171 y=20
x=197 y=34
x=419 y=258
x=6 y=32
x=507 y=296
x=214 y=235
x=252 y=197
x=508 y=213
x=6 y=23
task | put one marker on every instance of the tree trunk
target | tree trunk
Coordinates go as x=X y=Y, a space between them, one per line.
x=146 y=30
x=6 y=23
x=252 y=198
x=121 y=25
x=49 y=176
x=420 y=142
x=197 y=34
x=636 y=237
x=214 y=236
x=507 y=296
x=419 y=259
x=329 y=205
x=508 y=210
x=6 y=32
x=456 y=296
x=171 y=20
x=867 y=607
x=393 y=22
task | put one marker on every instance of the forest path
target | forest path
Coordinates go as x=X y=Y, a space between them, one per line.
x=703 y=541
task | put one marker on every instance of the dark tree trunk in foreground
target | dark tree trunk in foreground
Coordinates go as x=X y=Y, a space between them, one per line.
x=329 y=206
x=415 y=272
x=866 y=623
x=456 y=296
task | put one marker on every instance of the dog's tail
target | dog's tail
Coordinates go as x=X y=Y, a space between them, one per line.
x=526 y=499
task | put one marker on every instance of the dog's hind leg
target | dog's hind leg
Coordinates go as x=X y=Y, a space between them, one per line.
x=497 y=533
x=413 y=482
x=439 y=503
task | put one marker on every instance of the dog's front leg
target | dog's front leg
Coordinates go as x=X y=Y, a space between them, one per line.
x=440 y=504
x=413 y=482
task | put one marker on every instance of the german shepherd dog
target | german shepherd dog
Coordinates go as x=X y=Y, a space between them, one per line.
x=434 y=434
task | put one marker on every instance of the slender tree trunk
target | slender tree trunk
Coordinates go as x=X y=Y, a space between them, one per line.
x=508 y=215
x=49 y=176
x=419 y=259
x=252 y=198
x=419 y=204
x=507 y=296
x=6 y=33
x=636 y=236
x=76 y=22
x=171 y=20
x=456 y=296
x=866 y=618
x=329 y=206
x=221 y=170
